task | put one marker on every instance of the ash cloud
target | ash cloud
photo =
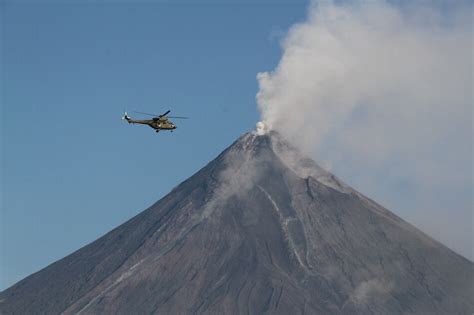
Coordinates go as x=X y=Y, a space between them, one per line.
x=383 y=94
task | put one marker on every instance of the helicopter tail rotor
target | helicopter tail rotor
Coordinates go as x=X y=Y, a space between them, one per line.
x=126 y=117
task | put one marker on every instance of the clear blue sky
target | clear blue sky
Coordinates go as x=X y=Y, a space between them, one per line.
x=71 y=168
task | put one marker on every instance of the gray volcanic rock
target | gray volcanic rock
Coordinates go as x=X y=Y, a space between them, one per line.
x=260 y=229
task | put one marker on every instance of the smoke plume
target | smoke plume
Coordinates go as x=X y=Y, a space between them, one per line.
x=382 y=92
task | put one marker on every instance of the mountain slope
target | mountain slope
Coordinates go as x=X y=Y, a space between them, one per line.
x=260 y=229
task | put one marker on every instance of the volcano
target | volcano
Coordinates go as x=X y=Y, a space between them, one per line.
x=260 y=229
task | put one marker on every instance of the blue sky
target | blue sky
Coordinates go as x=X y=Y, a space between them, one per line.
x=72 y=169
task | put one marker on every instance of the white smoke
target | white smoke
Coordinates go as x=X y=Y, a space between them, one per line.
x=369 y=85
x=261 y=128
x=371 y=289
x=238 y=177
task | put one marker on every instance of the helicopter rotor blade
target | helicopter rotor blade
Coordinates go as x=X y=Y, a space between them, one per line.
x=162 y=115
x=146 y=114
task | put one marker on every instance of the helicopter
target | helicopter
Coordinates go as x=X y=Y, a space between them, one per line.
x=158 y=122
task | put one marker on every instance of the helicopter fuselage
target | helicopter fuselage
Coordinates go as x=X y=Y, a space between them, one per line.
x=157 y=124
